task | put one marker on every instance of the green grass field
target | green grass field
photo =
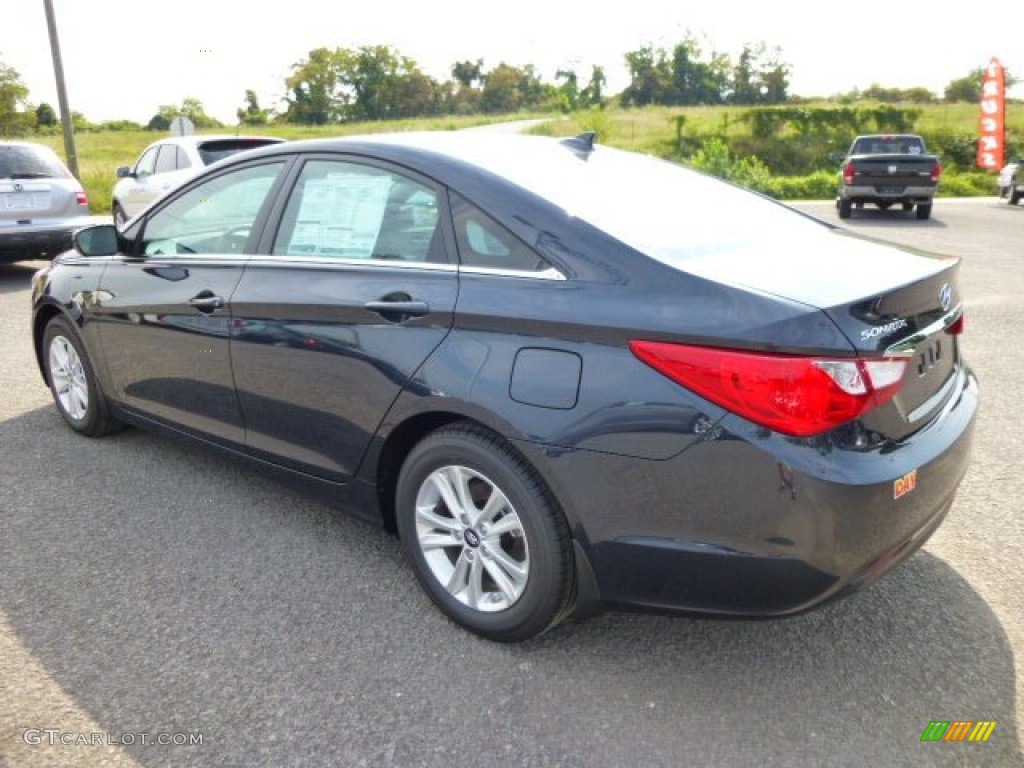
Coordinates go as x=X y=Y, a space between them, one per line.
x=100 y=153
x=651 y=129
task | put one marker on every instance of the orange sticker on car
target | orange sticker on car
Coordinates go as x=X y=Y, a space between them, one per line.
x=901 y=486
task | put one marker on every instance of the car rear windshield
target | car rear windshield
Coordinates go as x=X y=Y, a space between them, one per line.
x=28 y=161
x=212 y=151
x=659 y=208
x=888 y=145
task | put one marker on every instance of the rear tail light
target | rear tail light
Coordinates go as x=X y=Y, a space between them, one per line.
x=81 y=198
x=849 y=170
x=936 y=172
x=794 y=395
x=958 y=326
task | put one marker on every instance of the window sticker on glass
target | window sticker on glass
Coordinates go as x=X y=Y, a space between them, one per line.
x=340 y=215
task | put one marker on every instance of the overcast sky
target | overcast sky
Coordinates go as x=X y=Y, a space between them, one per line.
x=124 y=58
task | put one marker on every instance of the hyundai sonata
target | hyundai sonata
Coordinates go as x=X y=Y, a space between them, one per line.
x=566 y=376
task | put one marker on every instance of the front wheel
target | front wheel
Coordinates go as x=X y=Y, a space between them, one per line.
x=483 y=534
x=73 y=383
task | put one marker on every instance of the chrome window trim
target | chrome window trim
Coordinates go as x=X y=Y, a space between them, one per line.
x=547 y=274
x=187 y=260
x=316 y=262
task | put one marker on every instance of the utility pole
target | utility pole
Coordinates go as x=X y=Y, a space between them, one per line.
x=62 y=94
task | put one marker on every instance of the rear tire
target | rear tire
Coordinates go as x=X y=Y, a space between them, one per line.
x=924 y=210
x=845 y=208
x=73 y=383
x=484 y=535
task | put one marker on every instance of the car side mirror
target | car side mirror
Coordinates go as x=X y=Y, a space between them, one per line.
x=124 y=172
x=98 y=240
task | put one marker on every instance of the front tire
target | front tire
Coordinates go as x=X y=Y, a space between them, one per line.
x=73 y=382
x=484 y=535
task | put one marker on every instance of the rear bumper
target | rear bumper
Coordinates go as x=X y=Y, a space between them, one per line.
x=33 y=241
x=871 y=194
x=749 y=523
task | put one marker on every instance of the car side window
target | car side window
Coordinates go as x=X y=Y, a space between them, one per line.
x=183 y=161
x=483 y=242
x=216 y=216
x=147 y=162
x=167 y=160
x=345 y=210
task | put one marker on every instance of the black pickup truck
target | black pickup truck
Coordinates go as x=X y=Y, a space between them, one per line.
x=888 y=170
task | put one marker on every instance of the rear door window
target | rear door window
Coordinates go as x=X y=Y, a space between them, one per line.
x=345 y=210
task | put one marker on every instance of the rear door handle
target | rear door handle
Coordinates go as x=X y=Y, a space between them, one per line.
x=206 y=301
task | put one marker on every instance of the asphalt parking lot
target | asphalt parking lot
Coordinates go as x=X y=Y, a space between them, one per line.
x=149 y=587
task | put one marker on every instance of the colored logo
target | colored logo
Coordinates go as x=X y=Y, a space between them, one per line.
x=901 y=486
x=958 y=730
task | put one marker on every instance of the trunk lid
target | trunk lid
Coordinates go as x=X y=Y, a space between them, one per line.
x=888 y=302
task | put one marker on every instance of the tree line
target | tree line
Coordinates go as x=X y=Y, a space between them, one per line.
x=377 y=82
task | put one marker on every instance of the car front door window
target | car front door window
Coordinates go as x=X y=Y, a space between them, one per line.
x=216 y=216
x=147 y=162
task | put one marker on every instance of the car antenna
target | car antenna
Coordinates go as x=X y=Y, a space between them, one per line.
x=584 y=142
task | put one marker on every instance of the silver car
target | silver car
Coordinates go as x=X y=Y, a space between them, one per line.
x=41 y=203
x=166 y=164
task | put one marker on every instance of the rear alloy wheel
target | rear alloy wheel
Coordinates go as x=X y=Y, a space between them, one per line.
x=73 y=383
x=483 y=534
x=924 y=210
x=845 y=208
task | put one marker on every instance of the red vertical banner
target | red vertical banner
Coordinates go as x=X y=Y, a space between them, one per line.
x=992 y=118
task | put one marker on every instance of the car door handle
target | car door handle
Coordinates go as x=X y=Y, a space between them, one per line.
x=407 y=308
x=206 y=301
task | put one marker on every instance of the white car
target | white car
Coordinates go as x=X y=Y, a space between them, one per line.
x=167 y=163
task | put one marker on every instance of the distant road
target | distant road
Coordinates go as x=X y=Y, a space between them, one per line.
x=515 y=126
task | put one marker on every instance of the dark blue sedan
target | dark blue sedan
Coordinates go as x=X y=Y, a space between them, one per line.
x=565 y=375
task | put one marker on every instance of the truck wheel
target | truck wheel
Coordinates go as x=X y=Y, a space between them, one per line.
x=844 y=209
x=924 y=210
x=908 y=207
